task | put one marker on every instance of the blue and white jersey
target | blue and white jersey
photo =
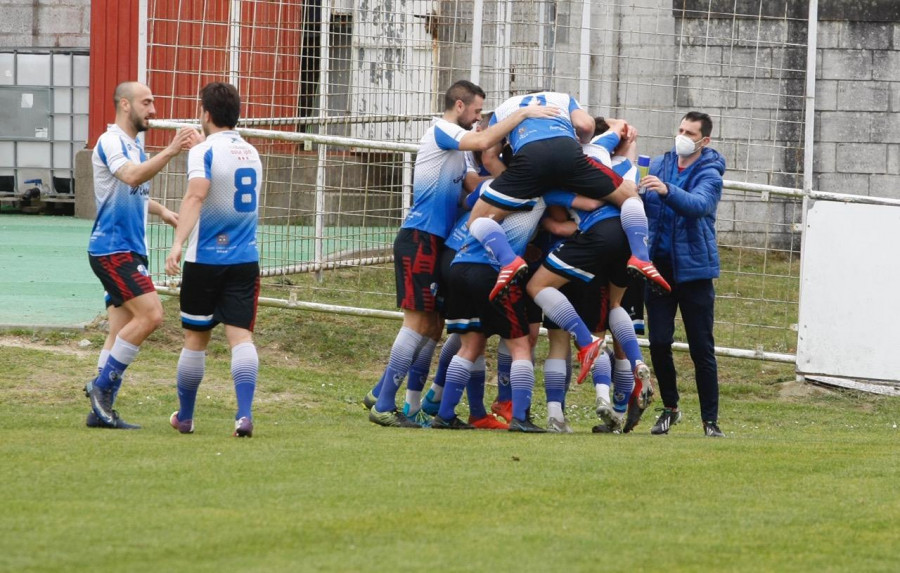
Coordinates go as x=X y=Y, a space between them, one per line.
x=437 y=179
x=535 y=129
x=601 y=147
x=459 y=234
x=121 y=224
x=225 y=233
x=623 y=167
x=519 y=227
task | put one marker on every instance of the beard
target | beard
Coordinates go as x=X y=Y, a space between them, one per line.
x=139 y=123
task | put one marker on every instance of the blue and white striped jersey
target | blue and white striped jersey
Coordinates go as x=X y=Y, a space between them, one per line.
x=437 y=179
x=519 y=226
x=225 y=233
x=535 y=129
x=121 y=223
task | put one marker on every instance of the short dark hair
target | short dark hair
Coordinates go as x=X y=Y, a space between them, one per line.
x=462 y=90
x=222 y=102
x=703 y=118
x=600 y=125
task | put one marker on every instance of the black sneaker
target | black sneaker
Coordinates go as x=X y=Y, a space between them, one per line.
x=666 y=420
x=527 y=426
x=633 y=416
x=453 y=423
x=711 y=429
x=93 y=421
x=101 y=403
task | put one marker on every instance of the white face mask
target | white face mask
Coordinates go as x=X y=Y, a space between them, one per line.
x=684 y=145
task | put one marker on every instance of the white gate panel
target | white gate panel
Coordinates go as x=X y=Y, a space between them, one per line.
x=848 y=292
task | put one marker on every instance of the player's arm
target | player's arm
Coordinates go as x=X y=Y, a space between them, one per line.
x=158 y=209
x=559 y=228
x=491 y=160
x=583 y=124
x=198 y=189
x=482 y=140
x=133 y=174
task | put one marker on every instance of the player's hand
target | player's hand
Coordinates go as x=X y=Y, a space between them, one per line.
x=652 y=183
x=182 y=140
x=630 y=133
x=169 y=217
x=534 y=111
x=173 y=261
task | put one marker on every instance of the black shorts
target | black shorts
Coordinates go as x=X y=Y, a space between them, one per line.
x=557 y=163
x=124 y=276
x=211 y=294
x=416 y=268
x=591 y=302
x=469 y=309
x=444 y=293
x=600 y=252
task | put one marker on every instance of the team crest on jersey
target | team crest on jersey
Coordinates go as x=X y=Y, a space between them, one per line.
x=143 y=270
x=222 y=240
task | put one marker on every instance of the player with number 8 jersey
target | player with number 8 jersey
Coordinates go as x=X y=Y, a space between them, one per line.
x=221 y=271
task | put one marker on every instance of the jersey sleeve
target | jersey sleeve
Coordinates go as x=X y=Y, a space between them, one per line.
x=623 y=167
x=200 y=162
x=573 y=104
x=111 y=150
x=448 y=135
x=608 y=140
x=558 y=197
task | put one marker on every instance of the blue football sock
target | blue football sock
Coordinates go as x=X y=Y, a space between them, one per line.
x=120 y=357
x=504 y=363
x=522 y=381
x=623 y=331
x=403 y=351
x=634 y=223
x=555 y=379
x=623 y=379
x=490 y=234
x=188 y=375
x=244 y=371
x=418 y=374
x=448 y=351
x=475 y=389
x=101 y=360
x=560 y=310
x=377 y=389
x=457 y=377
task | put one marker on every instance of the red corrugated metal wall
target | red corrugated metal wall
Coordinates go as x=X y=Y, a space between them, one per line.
x=188 y=47
x=114 y=48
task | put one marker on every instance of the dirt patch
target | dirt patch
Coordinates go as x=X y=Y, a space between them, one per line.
x=794 y=390
x=20 y=342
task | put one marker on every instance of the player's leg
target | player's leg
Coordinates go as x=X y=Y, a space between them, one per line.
x=416 y=269
x=478 y=415
x=244 y=373
x=419 y=369
x=458 y=374
x=544 y=289
x=188 y=376
x=432 y=400
x=555 y=380
x=502 y=406
x=522 y=382
x=236 y=308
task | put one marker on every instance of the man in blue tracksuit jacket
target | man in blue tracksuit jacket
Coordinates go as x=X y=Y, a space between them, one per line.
x=682 y=194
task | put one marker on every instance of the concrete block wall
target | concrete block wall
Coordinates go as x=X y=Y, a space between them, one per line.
x=45 y=23
x=857 y=139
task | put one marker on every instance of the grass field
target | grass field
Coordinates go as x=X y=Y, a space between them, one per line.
x=806 y=480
